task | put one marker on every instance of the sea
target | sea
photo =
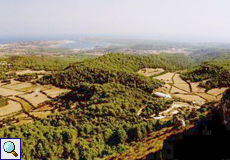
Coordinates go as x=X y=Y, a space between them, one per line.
x=78 y=41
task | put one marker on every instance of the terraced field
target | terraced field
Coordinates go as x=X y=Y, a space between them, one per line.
x=12 y=107
x=28 y=72
x=187 y=95
x=26 y=101
x=167 y=77
x=188 y=91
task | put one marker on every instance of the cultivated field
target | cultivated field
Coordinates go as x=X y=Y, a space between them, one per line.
x=10 y=108
x=166 y=77
x=217 y=91
x=35 y=98
x=177 y=91
x=189 y=91
x=54 y=92
x=19 y=86
x=7 y=92
x=191 y=97
x=26 y=101
x=28 y=72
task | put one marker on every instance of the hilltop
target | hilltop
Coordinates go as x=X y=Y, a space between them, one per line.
x=119 y=68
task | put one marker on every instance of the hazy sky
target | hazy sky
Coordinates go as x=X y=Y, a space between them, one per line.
x=203 y=20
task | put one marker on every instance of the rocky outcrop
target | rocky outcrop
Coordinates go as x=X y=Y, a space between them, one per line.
x=208 y=140
x=225 y=108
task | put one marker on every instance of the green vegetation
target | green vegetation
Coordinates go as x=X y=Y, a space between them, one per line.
x=119 y=68
x=36 y=62
x=103 y=122
x=133 y=63
x=26 y=77
x=210 y=54
x=216 y=73
x=48 y=63
x=98 y=117
x=155 y=107
x=3 y=101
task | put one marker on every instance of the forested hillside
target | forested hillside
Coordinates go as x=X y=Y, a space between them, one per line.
x=98 y=118
x=128 y=62
x=119 y=68
x=216 y=73
x=36 y=62
x=103 y=122
x=210 y=54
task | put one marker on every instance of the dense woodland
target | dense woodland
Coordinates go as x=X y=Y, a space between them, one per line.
x=35 y=62
x=119 y=68
x=210 y=54
x=102 y=122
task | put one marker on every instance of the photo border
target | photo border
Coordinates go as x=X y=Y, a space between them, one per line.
x=20 y=148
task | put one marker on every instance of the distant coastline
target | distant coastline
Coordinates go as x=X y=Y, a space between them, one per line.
x=68 y=42
x=17 y=39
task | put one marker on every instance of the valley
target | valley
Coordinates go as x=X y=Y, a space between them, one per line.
x=114 y=80
x=115 y=101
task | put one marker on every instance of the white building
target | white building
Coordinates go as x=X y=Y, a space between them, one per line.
x=159 y=94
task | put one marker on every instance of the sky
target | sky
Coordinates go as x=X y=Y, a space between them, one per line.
x=177 y=20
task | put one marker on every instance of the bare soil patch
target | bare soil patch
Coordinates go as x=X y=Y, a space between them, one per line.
x=219 y=97
x=8 y=92
x=217 y=91
x=183 y=86
x=26 y=105
x=29 y=72
x=40 y=114
x=54 y=91
x=182 y=104
x=176 y=90
x=178 y=79
x=19 y=86
x=35 y=98
x=10 y=108
x=195 y=87
x=207 y=96
x=165 y=77
x=189 y=97
x=44 y=108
